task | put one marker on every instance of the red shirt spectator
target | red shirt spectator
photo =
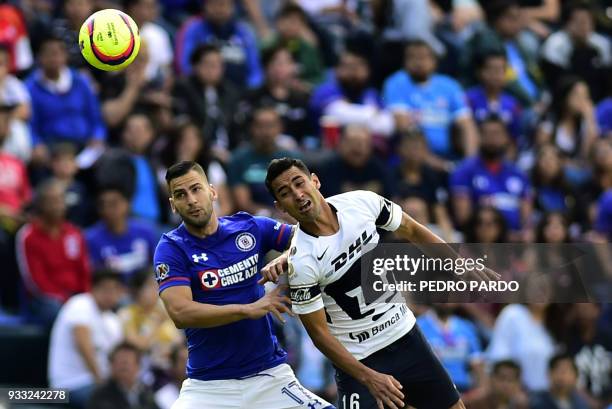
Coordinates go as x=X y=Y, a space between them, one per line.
x=14 y=34
x=15 y=189
x=52 y=253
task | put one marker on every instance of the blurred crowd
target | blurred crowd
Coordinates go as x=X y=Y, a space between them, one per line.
x=488 y=121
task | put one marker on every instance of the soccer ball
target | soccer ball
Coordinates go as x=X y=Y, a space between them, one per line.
x=109 y=40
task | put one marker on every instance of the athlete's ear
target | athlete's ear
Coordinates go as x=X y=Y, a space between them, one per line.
x=315 y=180
x=214 y=195
x=279 y=206
x=171 y=200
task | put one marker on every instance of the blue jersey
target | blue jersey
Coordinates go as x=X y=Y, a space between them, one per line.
x=224 y=269
x=124 y=253
x=507 y=108
x=436 y=105
x=503 y=188
x=456 y=345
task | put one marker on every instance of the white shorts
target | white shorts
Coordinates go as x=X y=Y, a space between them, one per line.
x=274 y=388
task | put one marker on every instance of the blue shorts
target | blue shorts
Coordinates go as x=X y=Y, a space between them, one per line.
x=410 y=360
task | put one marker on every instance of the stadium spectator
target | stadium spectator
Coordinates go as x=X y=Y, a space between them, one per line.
x=455 y=342
x=603 y=219
x=282 y=90
x=219 y=27
x=433 y=102
x=169 y=393
x=51 y=244
x=118 y=242
x=145 y=14
x=520 y=334
x=348 y=98
x=64 y=168
x=589 y=341
x=415 y=179
x=147 y=326
x=490 y=179
x=553 y=228
x=504 y=389
x=354 y=166
x=578 y=50
x=501 y=35
x=293 y=33
x=64 y=107
x=15 y=194
x=85 y=331
x=552 y=191
x=418 y=209
x=123 y=390
x=138 y=135
x=67 y=28
x=571 y=125
x=12 y=89
x=210 y=100
x=562 y=393
x=247 y=170
x=14 y=33
x=489 y=96
x=399 y=21
x=188 y=144
x=540 y=15
x=487 y=225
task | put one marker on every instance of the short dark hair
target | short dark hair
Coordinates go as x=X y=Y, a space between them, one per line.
x=278 y=166
x=101 y=276
x=507 y=363
x=481 y=59
x=492 y=118
x=571 y=7
x=63 y=149
x=495 y=9
x=202 y=51
x=125 y=346
x=291 y=9
x=558 y=358
x=413 y=134
x=182 y=168
x=139 y=279
x=418 y=42
x=268 y=54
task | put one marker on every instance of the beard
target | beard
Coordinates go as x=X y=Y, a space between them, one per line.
x=492 y=153
x=353 y=90
x=199 y=221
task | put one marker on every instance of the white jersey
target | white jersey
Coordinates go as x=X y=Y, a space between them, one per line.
x=325 y=272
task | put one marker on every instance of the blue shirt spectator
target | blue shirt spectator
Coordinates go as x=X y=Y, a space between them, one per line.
x=604 y=116
x=506 y=107
x=236 y=41
x=434 y=102
x=117 y=242
x=65 y=109
x=145 y=201
x=455 y=342
x=490 y=180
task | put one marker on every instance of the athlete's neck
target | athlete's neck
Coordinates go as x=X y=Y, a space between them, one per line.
x=205 y=231
x=325 y=224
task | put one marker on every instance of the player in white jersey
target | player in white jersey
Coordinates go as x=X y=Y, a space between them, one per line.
x=364 y=341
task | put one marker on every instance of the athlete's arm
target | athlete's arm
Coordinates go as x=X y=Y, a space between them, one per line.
x=385 y=388
x=273 y=270
x=187 y=313
x=416 y=233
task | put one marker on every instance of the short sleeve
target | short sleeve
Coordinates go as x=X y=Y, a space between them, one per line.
x=275 y=235
x=304 y=289
x=170 y=269
x=395 y=94
x=387 y=214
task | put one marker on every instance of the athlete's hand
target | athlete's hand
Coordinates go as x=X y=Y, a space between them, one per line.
x=274 y=269
x=385 y=389
x=486 y=275
x=273 y=302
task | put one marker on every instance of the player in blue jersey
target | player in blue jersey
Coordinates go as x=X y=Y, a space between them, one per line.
x=208 y=270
